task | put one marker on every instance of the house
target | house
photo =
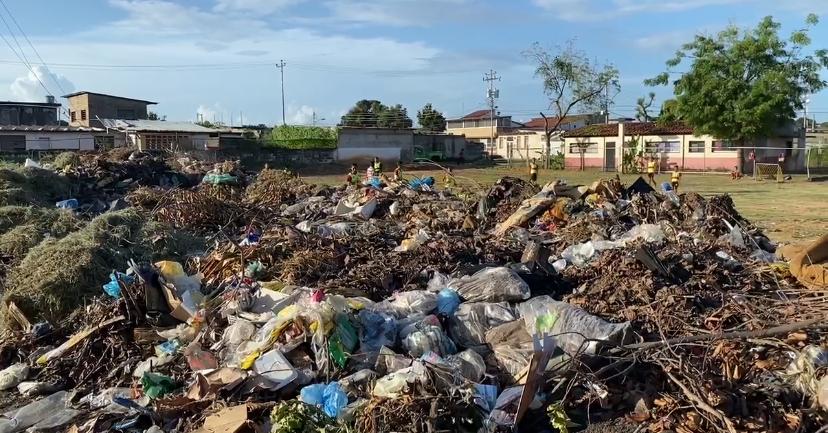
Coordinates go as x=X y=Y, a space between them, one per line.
x=675 y=145
x=29 y=113
x=88 y=108
x=161 y=135
x=480 y=126
x=529 y=139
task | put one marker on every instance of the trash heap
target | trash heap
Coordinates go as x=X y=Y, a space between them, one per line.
x=407 y=309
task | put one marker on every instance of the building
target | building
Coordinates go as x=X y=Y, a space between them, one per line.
x=88 y=108
x=528 y=140
x=43 y=138
x=676 y=147
x=480 y=125
x=29 y=113
x=161 y=135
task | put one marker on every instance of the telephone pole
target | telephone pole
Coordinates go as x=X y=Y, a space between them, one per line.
x=281 y=67
x=492 y=94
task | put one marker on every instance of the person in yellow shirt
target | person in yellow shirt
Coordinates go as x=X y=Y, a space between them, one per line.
x=448 y=178
x=675 y=177
x=533 y=171
x=651 y=170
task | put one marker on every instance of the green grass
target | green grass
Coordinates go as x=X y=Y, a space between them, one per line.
x=796 y=210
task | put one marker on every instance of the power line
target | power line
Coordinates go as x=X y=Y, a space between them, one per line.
x=11 y=15
x=48 y=92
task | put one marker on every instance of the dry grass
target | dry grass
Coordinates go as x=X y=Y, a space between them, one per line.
x=796 y=210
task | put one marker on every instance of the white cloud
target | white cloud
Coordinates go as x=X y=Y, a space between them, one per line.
x=28 y=88
x=211 y=113
x=402 y=12
x=258 y=6
x=302 y=115
x=595 y=10
x=663 y=41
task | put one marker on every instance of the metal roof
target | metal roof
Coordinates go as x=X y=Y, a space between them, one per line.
x=31 y=104
x=83 y=92
x=47 y=128
x=155 y=126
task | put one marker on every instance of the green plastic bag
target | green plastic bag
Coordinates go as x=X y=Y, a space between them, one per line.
x=343 y=340
x=157 y=385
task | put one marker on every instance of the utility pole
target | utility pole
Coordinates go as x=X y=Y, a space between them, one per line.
x=805 y=114
x=492 y=94
x=281 y=67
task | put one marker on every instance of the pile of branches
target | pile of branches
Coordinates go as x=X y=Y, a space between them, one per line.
x=197 y=211
x=272 y=188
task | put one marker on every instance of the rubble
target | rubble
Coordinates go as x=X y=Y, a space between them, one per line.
x=239 y=303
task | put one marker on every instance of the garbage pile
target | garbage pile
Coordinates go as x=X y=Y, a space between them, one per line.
x=410 y=309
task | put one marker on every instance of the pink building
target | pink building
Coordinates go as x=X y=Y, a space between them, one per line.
x=674 y=145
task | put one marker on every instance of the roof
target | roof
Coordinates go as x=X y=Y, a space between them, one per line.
x=479 y=114
x=540 y=122
x=31 y=104
x=83 y=92
x=155 y=126
x=631 y=128
x=47 y=128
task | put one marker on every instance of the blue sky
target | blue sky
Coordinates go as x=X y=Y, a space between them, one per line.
x=217 y=57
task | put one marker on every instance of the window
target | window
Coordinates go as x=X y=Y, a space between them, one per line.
x=125 y=114
x=722 y=146
x=576 y=148
x=696 y=147
x=663 y=147
x=72 y=115
x=83 y=114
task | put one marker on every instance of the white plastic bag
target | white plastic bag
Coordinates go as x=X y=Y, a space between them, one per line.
x=579 y=254
x=406 y=304
x=576 y=330
x=469 y=364
x=647 y=232
x=470 y=322
x=498 y=284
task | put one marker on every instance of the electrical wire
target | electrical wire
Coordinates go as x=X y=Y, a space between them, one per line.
x=19 y=28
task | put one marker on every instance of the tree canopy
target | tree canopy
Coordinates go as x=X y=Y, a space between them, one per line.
x=642 y=106
x=431 y=119
x=743 y=84
x=371 y=113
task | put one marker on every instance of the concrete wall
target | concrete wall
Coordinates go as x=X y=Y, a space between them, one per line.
x=167 y=141
x=391 y=145
x=449 y=144
x=57 y=140
x=525 y=145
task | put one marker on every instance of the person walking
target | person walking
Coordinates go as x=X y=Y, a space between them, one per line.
x=651 y=170
x=533 y=171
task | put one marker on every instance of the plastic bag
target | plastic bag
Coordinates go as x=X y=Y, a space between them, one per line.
x=447 y=301
x=413 y=242
x=67 y=204
x=342 y=341
x=646 y=232
x=735 y=237
x=30 y=163
x=104 y=399
x=406 y=304
x=510 y=361
x=469 y=364
x=13 y=375
x=428 y=338
x=763 y=256
x=113 y=287
x=378 y=329
x=199 y=359
x=571 y=326
x=470 y=322
x=157 y=385
x=392 y=385
x=330 y=397
x=579 y=254
x=274 y=367
x=147 y=364
x=44 y=413
x=28 y=389
x=389 y=361
x=499 y=284
x=438 y=282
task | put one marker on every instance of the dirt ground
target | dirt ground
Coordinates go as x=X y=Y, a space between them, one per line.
x=794 y=211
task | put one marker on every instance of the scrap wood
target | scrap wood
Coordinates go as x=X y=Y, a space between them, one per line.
x=75 y=340
x=18 y=317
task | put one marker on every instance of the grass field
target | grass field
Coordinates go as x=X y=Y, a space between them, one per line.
x=795 y=211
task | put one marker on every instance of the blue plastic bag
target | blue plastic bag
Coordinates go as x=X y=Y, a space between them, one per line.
x=447 y=301
x=330 y=397
x=375 y=182
x=666 y=186
x=377 y=330
x=112 y=288
x=67 y=204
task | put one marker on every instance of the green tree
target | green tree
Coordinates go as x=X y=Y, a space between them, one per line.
x=572 y=82
x=151 y=115
x=741 y=85
x=364 y=113
x=641 y=107
x=394 y=117
x=431 y=119
x=669 y=112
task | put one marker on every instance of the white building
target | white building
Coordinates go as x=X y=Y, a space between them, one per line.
x=21 y=138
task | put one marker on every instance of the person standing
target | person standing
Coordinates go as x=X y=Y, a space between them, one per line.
x=377 y=166
x=398 y=172
x=675 y=177
x=533 y=171
x=462 y=158
x=353 y=175
x=448 y=178
x=651 y=170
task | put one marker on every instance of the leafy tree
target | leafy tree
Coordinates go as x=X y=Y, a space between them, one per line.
x=741 y=85
x=151 y=115
x=394 y=117
x=365 y=113
x=572 y=82
x=431 y=119
x=669 y=112
x=641 y=107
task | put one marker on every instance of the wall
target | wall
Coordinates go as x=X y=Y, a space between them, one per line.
x=475 y=133
x=28 y=115
x=449 y=144
x=171 y=140
x=104 y=107
x=58 y=140
x=388 y=144
x=534 y=140
x=76 y=104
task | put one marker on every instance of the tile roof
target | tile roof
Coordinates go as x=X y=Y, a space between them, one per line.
x=47 y=128
x=479 y=114
x=31 y=104
x=539 y=122
x=631 y=128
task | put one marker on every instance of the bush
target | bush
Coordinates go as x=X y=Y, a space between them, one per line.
x=302 y=137
x=66 y=159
